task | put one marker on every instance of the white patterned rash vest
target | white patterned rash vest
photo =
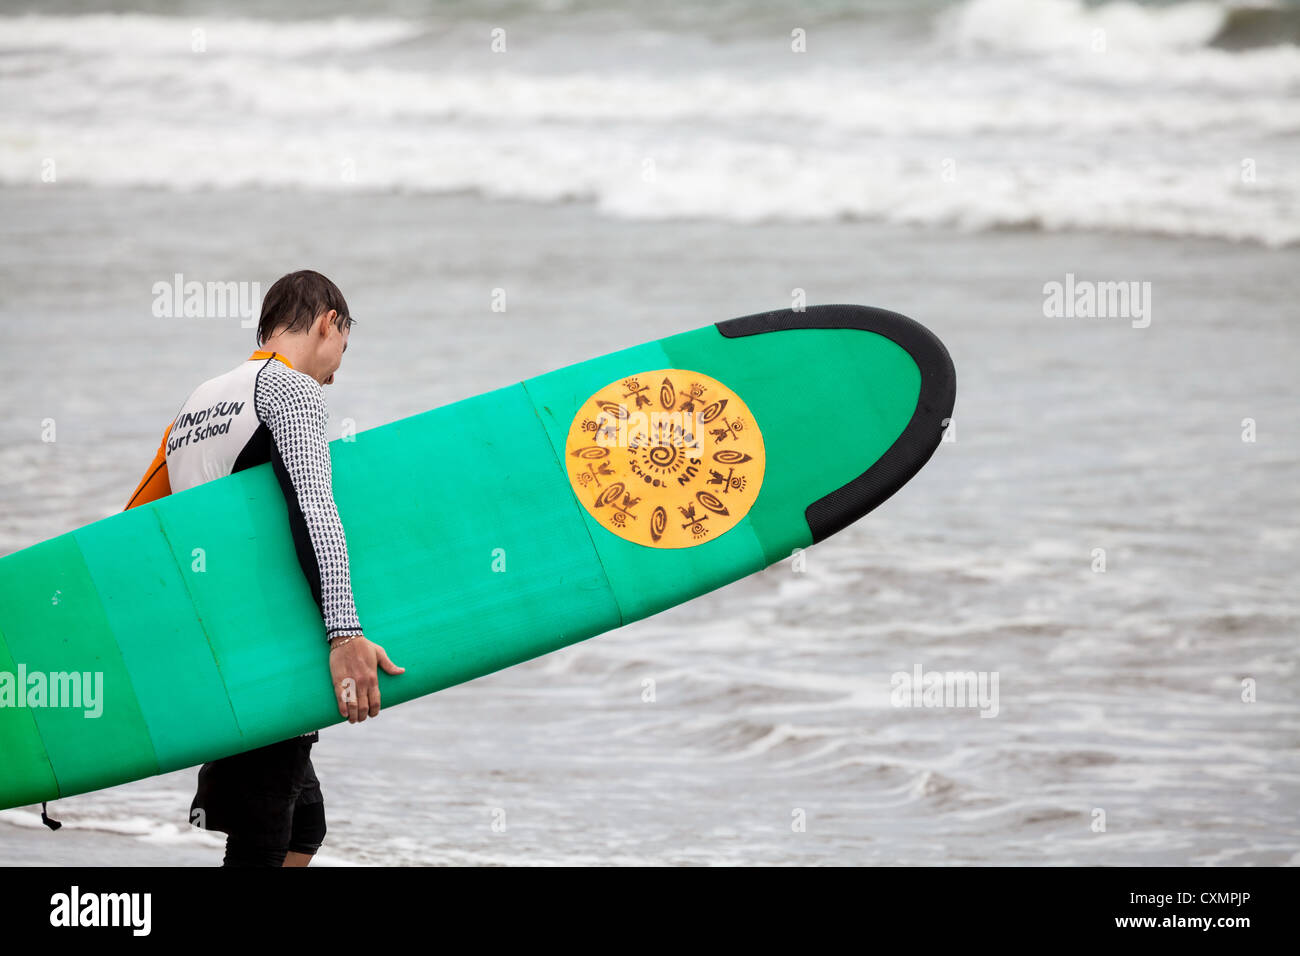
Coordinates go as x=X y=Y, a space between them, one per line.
x=265 y=411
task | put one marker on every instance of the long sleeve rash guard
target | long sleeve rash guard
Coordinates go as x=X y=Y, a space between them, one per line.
x=265 y=411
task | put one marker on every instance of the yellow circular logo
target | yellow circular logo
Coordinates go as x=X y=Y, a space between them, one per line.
x=668 y=459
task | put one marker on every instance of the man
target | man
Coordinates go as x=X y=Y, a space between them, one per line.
x=270 y=409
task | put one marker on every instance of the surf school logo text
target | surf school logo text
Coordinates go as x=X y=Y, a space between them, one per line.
x=1085 y=299
x=207 y=300
x=213 y=420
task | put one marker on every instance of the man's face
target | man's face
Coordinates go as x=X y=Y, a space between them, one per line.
x=334 y=345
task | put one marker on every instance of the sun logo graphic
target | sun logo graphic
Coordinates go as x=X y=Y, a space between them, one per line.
x=668 y=458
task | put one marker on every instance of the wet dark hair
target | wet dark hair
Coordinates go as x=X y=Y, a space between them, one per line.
x=295 y=300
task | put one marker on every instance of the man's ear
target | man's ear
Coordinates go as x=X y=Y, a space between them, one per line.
x=326 y=319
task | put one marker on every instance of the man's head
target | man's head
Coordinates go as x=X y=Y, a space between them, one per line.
x=306 y=318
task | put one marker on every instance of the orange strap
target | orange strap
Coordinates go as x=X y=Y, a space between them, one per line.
x=155 y=483
x=264 y=354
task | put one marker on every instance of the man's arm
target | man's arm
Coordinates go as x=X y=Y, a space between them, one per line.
x=292 y=408
x=155 y=483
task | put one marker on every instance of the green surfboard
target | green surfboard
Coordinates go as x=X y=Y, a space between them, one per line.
x=480 y=534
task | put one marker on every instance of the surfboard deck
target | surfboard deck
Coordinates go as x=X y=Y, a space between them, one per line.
x=480 y=534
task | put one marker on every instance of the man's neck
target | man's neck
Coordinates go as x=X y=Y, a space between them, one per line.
x=293 y=348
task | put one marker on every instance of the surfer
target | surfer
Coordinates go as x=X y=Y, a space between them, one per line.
x=270 y=409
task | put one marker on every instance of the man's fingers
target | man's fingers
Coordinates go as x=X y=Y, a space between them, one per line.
x=359 y=698
x=352 y=692
x=343 y=692
x=388 y=666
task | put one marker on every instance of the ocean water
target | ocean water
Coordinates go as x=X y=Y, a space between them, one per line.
x=1177 y=119
x=627 y=174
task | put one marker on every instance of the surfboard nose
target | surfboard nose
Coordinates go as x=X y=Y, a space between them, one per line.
x=919 y=355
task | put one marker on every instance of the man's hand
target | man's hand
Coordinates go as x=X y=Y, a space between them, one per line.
x=354 y=668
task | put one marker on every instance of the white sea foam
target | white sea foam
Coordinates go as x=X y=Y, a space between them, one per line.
x=135 y=34
x=1053 y=25
x=1158 y=134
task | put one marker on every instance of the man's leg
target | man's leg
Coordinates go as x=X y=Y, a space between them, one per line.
x=244 y=853
x=251 y=796
x=308 y=820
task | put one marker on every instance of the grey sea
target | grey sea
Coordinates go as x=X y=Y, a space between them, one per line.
x=1108 y=536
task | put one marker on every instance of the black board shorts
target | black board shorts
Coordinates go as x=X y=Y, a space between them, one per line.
x=268 y=797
